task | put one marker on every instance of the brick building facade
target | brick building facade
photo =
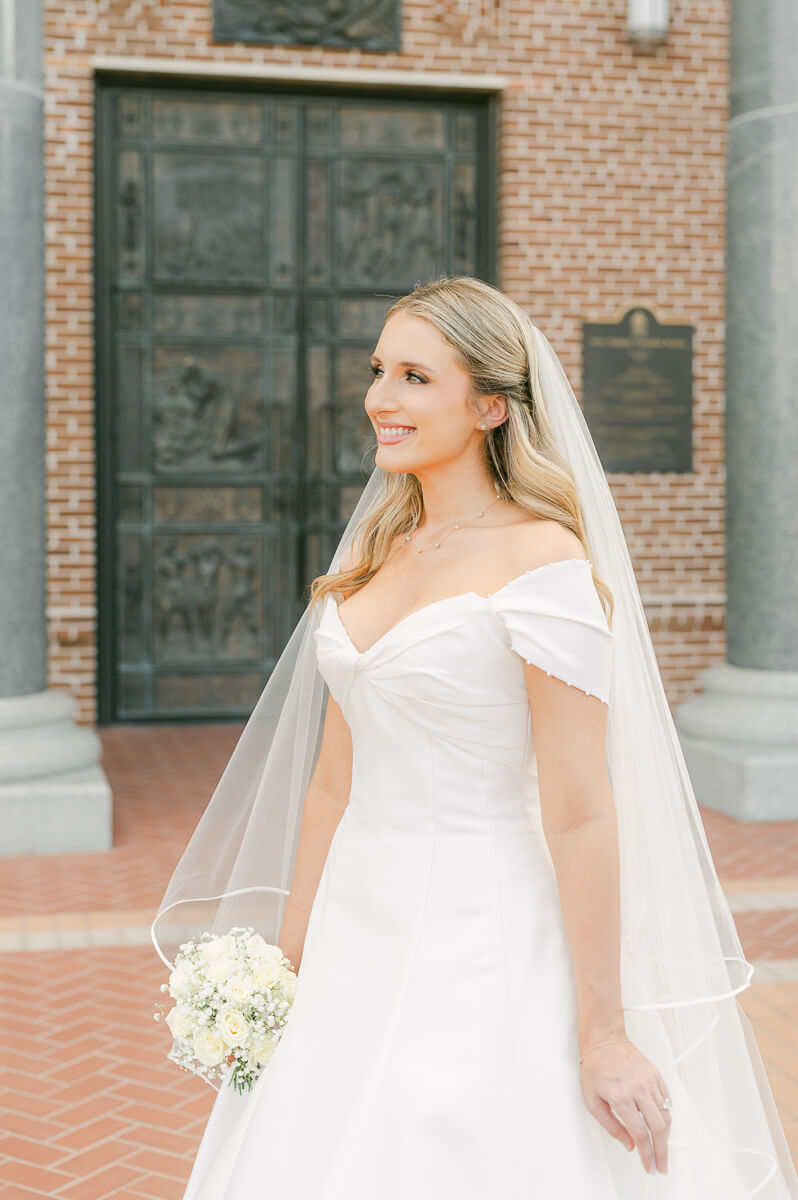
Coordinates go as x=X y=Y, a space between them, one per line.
x=609 y=190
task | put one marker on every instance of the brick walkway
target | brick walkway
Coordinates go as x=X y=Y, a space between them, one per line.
x=89 y=1105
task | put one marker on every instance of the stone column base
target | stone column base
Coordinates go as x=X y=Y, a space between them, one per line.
x=54 y=795
x=740 y=742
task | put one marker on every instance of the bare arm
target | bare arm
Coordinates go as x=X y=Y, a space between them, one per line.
x=580 y=825
x=325 y=801
x=577 y=810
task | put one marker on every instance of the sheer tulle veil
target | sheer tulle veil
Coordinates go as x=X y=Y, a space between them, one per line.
x=682 y=963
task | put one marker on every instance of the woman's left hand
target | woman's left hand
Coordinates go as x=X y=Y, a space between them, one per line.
x=618 y=1078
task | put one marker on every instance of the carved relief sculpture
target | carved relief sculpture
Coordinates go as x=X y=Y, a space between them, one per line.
x=367 y=24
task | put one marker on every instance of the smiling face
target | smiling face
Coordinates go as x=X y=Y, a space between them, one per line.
x=422 y=391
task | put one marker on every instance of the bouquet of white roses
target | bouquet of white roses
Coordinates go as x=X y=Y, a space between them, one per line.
x=233 y=994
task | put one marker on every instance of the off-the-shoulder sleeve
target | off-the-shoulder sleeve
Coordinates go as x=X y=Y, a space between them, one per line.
x=555 y=619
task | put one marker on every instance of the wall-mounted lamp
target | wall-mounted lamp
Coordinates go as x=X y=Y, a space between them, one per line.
x=647 y=20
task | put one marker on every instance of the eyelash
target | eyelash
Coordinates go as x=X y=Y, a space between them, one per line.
x=374 y=371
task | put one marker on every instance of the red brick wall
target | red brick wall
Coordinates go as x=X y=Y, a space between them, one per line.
x=611 y=192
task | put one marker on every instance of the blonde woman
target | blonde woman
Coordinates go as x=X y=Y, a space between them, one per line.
x=515 y=976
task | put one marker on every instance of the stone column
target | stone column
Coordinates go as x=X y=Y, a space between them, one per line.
x=53 y=794
x=740 y=737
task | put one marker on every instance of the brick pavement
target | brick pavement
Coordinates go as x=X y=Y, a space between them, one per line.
x=90 y=1108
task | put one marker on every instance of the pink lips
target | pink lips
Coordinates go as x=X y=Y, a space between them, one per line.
x=390 y=439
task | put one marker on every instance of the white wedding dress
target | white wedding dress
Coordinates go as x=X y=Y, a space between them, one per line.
x=431 y=1052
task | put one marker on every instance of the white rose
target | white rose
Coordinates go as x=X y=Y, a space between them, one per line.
x=238 y=988
x=209 y=1048
x=262 y=1050
x=288 y=982
x=218 y=947
x=256 y=946
x=220 y=969
x=232 y=1026
x=263 y=951
x=181 y=982
x=180 y=1020
x=266 y=972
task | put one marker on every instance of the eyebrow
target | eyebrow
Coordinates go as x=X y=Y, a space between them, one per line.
x=406 y=364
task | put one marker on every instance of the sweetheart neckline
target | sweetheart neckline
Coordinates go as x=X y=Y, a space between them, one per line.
x=445 y=600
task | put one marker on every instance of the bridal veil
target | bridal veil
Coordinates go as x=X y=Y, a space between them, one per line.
x=682 y=964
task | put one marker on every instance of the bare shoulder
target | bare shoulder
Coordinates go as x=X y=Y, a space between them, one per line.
x=535 y=542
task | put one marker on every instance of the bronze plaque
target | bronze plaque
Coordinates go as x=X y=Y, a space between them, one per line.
x=637 y=392
x=361 y=24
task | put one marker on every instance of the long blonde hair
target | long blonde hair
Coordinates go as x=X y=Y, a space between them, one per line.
x=492 y=339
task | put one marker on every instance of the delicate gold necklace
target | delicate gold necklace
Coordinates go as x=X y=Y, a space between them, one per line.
x=436 y=546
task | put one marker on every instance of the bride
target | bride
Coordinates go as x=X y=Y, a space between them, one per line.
x=461 y=810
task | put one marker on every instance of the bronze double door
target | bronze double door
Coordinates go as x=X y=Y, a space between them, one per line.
x=248 y=246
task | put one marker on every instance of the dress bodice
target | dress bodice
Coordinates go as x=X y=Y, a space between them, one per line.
x=449 y=677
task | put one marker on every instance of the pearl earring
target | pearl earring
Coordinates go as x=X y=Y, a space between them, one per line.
x=482 y=425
